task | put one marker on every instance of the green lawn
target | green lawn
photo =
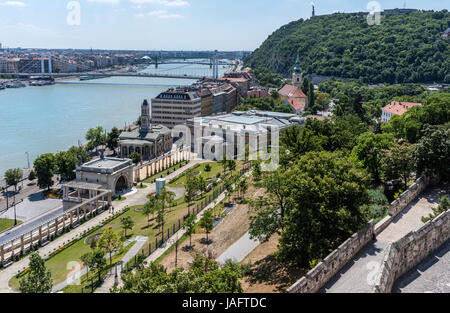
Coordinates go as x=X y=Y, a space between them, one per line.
x=6 y=224
x=216 y=168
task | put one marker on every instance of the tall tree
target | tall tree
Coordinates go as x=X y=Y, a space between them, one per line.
x=109 y=241
x=38 y=279
x=207 y=222
x=165 y=198
x=96 y=137
x=189 y=227
x=432 y=152
x=368 y=150
x=112 y=141
x=66 y=163
x=98 y=262
x=13 y=177
x=44 y=166
x=327 y=192
x=398 y=162
x=127 y=224
x=150 y=207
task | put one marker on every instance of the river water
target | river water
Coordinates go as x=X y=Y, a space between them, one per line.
x=53 y=118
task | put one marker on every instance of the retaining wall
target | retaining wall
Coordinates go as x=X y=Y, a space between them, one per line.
x=410 y=250
x=334 y=262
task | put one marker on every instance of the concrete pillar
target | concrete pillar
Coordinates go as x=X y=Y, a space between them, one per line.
x=31 y=239
x=40 y=233
x=109 y=199
x=48 y=229
x=78 y=214
x=21 y=243
x=56 y=226
x=71 y=218
x=64 y=222
x=79 y=194
x=2 y=253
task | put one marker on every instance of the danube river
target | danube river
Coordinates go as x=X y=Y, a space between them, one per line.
x=53 y=118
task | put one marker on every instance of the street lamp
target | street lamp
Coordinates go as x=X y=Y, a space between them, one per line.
x=15 y=215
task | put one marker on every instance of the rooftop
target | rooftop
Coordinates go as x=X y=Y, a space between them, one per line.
x=105 y=165
x=398 y=108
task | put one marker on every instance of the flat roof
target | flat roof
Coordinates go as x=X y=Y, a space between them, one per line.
x=242 y=120
x=106 y=163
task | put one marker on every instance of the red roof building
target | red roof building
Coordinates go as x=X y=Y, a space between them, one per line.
x=294 y=96
x=396 y=108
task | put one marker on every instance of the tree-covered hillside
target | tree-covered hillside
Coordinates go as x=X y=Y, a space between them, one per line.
x=403 y=48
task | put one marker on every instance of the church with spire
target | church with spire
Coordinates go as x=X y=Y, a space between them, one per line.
x=292 y=93
x=150 y=141
x=297 y=76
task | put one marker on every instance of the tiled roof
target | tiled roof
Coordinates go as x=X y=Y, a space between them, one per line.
x=398 y=108
x=291 y=91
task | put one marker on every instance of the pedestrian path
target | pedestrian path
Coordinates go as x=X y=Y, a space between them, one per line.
x=358 y=276
x=239 y=250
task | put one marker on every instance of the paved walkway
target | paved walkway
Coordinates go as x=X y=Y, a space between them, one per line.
x=358 y=276
x=432 y=275
x=111 y=277
x=138 y=198
x=239 y=250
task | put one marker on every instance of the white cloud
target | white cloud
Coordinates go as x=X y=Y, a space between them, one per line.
x=105 y=1
x=163 y=14
x=167 y=3
x=17 y=4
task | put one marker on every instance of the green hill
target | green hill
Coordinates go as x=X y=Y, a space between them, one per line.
x=404 y=48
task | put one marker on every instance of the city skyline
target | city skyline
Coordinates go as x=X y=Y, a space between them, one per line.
x=162 y=24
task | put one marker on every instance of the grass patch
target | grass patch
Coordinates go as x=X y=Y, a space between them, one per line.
x=120 y=200
x=216 y=168
x=6 y=223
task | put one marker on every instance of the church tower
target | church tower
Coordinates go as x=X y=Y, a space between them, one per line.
x=297 y=77
x=145 y=117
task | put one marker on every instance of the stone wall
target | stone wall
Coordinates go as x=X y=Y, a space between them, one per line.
x=403 y=200
x=334 y=262
x=410 y=250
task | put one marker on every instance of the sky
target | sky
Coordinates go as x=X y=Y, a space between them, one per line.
x=164 y=24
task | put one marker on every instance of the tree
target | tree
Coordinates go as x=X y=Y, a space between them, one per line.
x=397 y=162
x=112 y=140
x=432 y=152
x=96 y=137
x=325 y=192
x=13 y=177
x=312 y=99
x=80 y=153
x=201 y=185
x=189 y=227
x=150 y=207
x=203 y=276
x=110 y=241
x=66 y=163
x=257 y=173
x=231 y=165
x=136 y=157
x=224 y=164
x=98 y=261
x=243 y=187
x=127 y=223
x=86 y=259
x=207 y=222
x=32 y=175
x=191 y=187
x=164 y=199
x=268 y=212
x=38 y=279
x=368 y=150
x=443 y=206
x=305 y=86
x=45 y=165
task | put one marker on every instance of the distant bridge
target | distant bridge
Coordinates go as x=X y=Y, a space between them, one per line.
x=102 y=75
